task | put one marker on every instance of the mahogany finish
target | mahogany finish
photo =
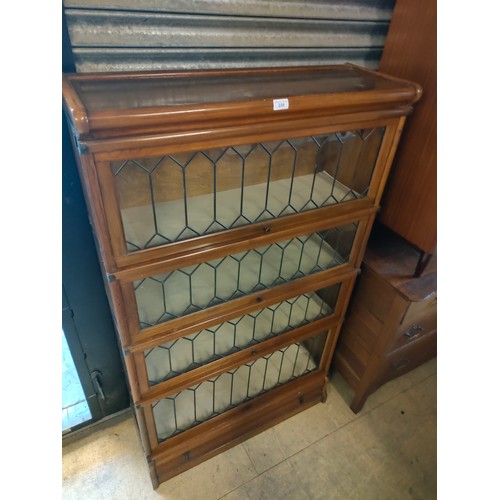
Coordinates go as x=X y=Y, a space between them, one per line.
x=117 y=118
x=115 y=102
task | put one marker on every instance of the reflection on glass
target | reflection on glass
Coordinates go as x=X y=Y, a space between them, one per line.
x=177 y=197
x=183 y=291
x=190 y=352
x=210 y=398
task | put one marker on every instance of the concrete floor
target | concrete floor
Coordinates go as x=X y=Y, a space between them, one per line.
x=387 y=451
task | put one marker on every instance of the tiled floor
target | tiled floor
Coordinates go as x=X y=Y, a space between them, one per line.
x=387 y=451
x=75 y=408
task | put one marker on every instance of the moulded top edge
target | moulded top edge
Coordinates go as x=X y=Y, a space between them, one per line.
x=111 y=100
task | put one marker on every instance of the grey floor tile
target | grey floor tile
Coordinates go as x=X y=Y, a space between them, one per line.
x=238 y=494
x=107 y=464
x=279 y=482
x=212 y=479
x=339 y=411
x=331 y=467
x=386 y=391
x=264 y=450
x=305 y=428
x=399 y=440
x=283 y=440
x=388 y=451
x=110 y=465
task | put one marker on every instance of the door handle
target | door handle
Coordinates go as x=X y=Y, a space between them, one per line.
x=96 y=377
x=413 y=332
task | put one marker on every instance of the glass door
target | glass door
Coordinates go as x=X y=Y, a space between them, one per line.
x=90 y=352
x=94 y=380
x=75 y=408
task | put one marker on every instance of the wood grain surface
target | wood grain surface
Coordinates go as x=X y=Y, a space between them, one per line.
x=410 y=202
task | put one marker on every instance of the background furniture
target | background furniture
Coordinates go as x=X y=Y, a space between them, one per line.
x=231 y=211
x=382 y=317
x=390 y=327
x=410 y=201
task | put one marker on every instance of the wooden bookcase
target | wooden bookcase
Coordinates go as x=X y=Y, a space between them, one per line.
x=231 y=210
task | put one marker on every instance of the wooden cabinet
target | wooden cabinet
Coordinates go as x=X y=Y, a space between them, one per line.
x=231 y=211
x=410 y=202
x=391 y=324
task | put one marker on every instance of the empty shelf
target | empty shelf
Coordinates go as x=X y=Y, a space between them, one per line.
x=183 y=291
x=186 y=353
x=163 y=222
x=212 y=397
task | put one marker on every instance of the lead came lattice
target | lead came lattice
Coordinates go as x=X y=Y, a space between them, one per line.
x=183 y=291
x=191 y=407
x=176 y=197
x=190 y=352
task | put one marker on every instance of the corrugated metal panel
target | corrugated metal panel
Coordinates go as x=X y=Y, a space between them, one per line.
x=363 y=10
x=106 y=59
x=133 y=29
x=130 y=35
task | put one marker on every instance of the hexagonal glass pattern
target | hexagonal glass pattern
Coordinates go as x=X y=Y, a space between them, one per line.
x=176 y=197
x=212 y=397
x=183 y=291
x=185 y=354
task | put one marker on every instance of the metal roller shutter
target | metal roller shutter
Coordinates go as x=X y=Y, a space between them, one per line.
x=153 y=34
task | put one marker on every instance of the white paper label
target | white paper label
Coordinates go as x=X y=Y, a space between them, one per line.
x=279 y=104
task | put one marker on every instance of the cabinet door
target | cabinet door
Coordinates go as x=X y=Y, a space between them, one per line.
x=186 y=380
x=180 y=298
x=181 y=355
x=239 y=338
x=204 y=400
x=164 y=200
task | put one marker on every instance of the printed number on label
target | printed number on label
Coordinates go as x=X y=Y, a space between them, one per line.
x=279 y=104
